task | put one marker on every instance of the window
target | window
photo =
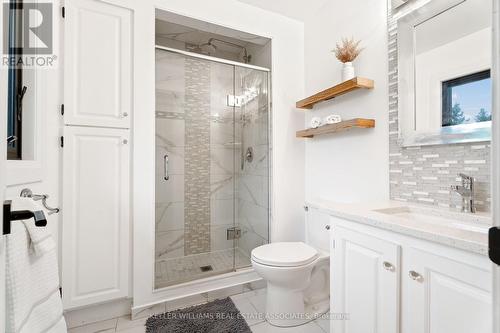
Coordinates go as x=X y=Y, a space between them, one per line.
x=15 y=85
x=467 y=99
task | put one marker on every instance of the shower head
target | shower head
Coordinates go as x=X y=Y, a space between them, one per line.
x=208 y=47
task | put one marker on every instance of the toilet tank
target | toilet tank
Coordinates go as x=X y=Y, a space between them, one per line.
x=318 y=229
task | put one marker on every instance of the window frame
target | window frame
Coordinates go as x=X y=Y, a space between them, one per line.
x=447 y=87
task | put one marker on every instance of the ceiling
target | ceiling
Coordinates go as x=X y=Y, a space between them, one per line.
x=296 y=9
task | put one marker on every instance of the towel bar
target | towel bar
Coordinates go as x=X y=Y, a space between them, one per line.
x=27 y=193
x=9 y=216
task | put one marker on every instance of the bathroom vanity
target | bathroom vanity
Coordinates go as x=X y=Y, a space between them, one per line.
x=402 y=268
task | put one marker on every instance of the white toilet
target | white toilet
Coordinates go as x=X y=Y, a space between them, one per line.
x=297 y=275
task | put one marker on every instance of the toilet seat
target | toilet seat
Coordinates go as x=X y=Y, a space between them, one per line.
x=285 y=254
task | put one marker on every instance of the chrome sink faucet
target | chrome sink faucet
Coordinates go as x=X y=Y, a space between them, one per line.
x=466 y=191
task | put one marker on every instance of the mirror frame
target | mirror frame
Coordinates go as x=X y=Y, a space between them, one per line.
x=408 y=136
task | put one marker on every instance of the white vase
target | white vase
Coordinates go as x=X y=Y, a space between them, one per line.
x=348 y=71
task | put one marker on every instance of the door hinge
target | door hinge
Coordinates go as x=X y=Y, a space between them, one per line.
x=62 y=141
x=62 y=109
x=494 y=245
x=233 y=233
x=63 y=11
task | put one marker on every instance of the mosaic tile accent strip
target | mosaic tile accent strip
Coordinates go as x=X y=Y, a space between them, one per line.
x=424 y=174
x=197 y=157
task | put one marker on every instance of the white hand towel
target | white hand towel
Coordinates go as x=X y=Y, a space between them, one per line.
x=33 y=300
x=41 y=239
x=315 y=122
x=332 y=119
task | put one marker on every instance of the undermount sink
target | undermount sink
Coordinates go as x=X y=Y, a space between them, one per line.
x=464 y=221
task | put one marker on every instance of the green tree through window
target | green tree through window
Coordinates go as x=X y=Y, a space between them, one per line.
x=483 y=116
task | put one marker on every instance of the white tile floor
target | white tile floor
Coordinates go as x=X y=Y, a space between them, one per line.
x=251 y=303
x=177 y=270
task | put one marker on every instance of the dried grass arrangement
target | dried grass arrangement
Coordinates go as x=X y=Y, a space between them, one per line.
x=347 y=50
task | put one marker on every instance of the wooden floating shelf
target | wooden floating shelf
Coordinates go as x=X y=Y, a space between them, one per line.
x=339 y=127
x=340 y=89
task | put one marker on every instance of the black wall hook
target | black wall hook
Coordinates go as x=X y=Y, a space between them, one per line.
x=9 y=216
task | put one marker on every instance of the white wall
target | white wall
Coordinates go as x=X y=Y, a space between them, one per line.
x=351 y=166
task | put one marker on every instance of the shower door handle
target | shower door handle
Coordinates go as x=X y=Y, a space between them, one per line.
x=165 y=167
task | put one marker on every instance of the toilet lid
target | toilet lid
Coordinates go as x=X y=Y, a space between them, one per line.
x=285 y=254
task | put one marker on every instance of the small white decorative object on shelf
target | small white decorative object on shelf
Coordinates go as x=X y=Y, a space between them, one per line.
x=315 y=122
x=348 y=71
x=332 y=119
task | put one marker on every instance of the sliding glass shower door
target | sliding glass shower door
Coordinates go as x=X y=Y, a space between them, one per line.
x=211 y=166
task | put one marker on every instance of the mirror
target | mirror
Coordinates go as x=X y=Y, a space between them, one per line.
x=22 y=97
x=445 y=92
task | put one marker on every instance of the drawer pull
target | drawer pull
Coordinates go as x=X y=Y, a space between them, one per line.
x=388 y=266
x=415 y=276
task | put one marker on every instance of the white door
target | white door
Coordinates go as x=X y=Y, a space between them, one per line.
x=98 y=72
x=95 y=231
x=3 y=167
x=495 y=73
x=444 y=295
x=365 y=283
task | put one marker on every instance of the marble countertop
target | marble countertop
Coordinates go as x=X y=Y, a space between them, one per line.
x=463 y=231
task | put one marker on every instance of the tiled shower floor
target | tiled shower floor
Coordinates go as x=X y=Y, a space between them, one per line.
x=173 y=271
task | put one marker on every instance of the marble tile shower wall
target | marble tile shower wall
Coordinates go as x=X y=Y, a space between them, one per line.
x=223 y=152
x=253 y=181
x=425 y=174
x=170 y=139
x=173 y=92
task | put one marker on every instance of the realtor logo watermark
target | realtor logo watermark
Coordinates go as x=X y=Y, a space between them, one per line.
x=28 y=34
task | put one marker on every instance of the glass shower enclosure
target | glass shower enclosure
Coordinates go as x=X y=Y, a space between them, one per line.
x=212 y=165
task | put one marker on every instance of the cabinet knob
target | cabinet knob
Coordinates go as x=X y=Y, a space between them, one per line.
x=415 y=276
x=388 y=266
x=327 y=227
x=124 y=114
x=124 y=141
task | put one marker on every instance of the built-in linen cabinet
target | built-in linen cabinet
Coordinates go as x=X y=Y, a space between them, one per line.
x=98 y=106
x=95 y=246
x=388 y=282
x=365 y=282
x=98 y=67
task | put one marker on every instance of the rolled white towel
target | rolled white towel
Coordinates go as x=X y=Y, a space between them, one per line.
x=332 y=119
x=315 y=122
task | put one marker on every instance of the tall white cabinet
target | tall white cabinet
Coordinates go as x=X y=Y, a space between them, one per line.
x=98 y=107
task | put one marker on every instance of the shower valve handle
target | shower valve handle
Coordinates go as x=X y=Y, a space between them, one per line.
x=165 y=167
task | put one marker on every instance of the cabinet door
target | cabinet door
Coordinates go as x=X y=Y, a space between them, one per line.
x=95 y=235
x=365 y=283
x=445 y=295
x=97 y=64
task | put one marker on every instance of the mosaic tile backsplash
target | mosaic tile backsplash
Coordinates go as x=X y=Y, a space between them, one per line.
x=425 y=174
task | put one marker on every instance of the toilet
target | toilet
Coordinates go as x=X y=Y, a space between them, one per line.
x=297 y=275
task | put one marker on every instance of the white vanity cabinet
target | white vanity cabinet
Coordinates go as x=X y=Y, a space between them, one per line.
x=389 y=282
x=365 y=282
x=445 y=292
